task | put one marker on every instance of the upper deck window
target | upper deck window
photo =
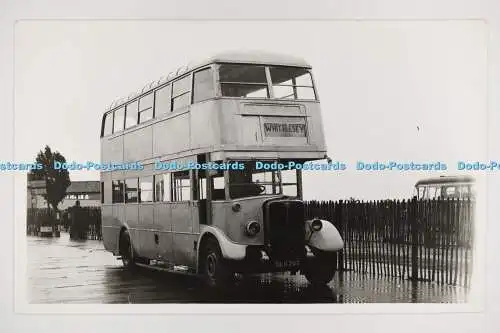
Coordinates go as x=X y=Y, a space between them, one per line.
x=146 y=107
x=292 y=83
x=108 y=124
x=243 y=81
x=203 y=87
x=163 y=100
x=119 y=120
x=131 y=114
x=181 y=92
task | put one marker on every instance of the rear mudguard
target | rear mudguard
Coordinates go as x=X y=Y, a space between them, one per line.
x=327 y=239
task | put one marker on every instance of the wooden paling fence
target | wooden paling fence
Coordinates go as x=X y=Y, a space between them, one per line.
x=427 y=240
x=36 y=217
x=39 y=216
x=93 y=218
x=90 y=218
x=94 y=232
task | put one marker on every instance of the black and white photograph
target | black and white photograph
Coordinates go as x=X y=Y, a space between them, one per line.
x=250 y=162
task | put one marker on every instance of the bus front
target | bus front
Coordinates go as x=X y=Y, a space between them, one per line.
x=270 y=127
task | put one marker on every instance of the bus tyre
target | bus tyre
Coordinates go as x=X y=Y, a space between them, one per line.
x=126 y=250
x=321 y=269
x=215 y=270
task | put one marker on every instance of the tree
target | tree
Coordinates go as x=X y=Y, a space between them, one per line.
x=56 y=180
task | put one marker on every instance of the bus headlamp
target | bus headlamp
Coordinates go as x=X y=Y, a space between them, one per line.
x=252 y=228
x=316 y=225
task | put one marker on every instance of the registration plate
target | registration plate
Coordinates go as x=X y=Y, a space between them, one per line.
x=286 y=263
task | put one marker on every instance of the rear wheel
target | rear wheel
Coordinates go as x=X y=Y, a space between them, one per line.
x=321 y=269
x=214 y=268
x=126 y=250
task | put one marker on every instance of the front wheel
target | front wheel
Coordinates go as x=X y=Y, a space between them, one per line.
x=214 y=268
x=321 y=269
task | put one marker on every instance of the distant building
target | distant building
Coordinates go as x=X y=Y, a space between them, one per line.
x=87 y=192
x=36 y=190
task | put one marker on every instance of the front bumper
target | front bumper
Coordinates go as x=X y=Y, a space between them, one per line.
x=258 y=260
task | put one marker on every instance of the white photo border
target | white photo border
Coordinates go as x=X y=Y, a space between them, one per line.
x=295 y=9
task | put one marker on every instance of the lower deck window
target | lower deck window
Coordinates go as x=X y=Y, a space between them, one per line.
x=146 y=189
x=162 y=187
x=117 y=191
x=131 y=190
x=181 y=186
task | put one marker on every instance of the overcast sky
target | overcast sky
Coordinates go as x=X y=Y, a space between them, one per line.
x=403 y=91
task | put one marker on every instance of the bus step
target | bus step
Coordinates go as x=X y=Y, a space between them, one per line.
x=164 y=269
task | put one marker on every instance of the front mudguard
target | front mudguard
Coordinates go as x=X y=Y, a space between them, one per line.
x=327 y=239
x=229 y=249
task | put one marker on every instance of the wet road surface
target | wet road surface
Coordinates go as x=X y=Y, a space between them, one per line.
x=61 y=270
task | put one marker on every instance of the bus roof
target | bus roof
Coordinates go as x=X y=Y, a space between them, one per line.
x=242 y=57
x=446 y=180
x=256 y=57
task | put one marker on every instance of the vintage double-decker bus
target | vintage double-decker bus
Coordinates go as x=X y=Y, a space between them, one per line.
x=213 y=187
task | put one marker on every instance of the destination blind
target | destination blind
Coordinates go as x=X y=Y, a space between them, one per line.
x=284 y=126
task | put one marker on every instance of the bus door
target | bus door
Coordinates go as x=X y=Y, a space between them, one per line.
x=184 y=220
x=210 y=187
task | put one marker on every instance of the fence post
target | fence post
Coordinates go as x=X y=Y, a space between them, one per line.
x=413 y=211
x=340 y=222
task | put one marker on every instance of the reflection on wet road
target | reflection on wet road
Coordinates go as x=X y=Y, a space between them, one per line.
x=64 y=271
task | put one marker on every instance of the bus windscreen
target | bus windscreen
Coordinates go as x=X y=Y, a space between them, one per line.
x=251 y=81
x=251 y=181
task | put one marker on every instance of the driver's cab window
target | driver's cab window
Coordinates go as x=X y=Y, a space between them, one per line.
x=218 y=186
x=289 y=182
x=268 y=180
x=253 y=181
x=242 y=184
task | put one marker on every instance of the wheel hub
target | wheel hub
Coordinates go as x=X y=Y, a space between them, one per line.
x=211 y=264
